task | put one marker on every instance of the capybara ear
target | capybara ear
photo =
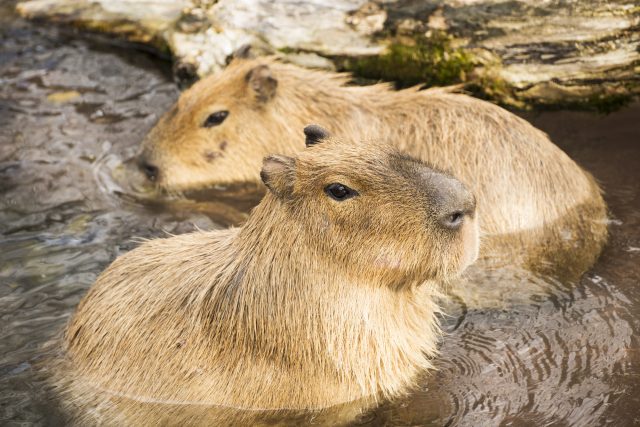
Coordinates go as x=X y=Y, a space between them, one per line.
x=262 y=83
x=315 y=134
x=243 y=52
x=278 y=174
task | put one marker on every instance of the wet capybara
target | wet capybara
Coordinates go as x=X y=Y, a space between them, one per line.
x=324 y=296
x=531 y=196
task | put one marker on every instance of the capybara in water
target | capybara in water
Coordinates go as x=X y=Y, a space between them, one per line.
x=324 y=295
x=531 y=195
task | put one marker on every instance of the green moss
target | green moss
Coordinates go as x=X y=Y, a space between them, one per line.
x=488 y=85
x=430 y=60
x=600 y=103
x=287 y=50
x=492 y=88
x=609 y=103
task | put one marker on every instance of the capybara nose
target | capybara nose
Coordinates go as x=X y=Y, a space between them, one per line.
x=453 y=202
x=150 y=170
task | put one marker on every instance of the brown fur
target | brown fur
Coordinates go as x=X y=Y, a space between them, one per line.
x=530 y=194
x=312 y=303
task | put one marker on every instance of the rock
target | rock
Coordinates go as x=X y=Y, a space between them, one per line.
x=517 y=52
x=142 y=21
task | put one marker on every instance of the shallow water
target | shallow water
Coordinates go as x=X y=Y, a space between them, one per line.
x=72 y=109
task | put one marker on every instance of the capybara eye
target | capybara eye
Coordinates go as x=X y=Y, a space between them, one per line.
x=340 y=192
x=215 y=119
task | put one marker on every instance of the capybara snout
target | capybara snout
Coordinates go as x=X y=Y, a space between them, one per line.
x=448 y=200
x=452 y=201
x=150 y=170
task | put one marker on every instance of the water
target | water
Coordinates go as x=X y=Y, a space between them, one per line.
x=72 y=109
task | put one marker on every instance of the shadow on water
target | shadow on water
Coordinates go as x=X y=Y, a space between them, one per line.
x=72 y=110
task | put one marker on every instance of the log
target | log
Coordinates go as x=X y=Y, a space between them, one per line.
x=520 y=53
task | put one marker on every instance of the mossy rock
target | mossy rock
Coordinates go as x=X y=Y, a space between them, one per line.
x=431 y=61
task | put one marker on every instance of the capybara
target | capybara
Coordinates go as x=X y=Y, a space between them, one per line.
x=324 y=296
x=531 y=196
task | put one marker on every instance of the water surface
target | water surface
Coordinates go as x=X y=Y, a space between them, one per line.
x=72 y=110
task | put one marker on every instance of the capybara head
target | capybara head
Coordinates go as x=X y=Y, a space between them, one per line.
x=218 y=131
x=373 y=209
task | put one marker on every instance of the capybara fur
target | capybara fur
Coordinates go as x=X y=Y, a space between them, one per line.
x=531 y=196
x=324 y=296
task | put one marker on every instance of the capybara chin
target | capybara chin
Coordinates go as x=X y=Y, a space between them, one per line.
x=530 y=194
x=324 y=296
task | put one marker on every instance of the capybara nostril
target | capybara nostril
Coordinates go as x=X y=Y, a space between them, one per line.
x=151 y=171
x=458 y=208
x=451 y=200
x=453 y=220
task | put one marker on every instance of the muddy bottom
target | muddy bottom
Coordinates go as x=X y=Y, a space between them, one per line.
x=72 y=110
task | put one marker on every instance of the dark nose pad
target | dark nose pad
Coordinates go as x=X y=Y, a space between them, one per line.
x=454 y=202
x=151 y=171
